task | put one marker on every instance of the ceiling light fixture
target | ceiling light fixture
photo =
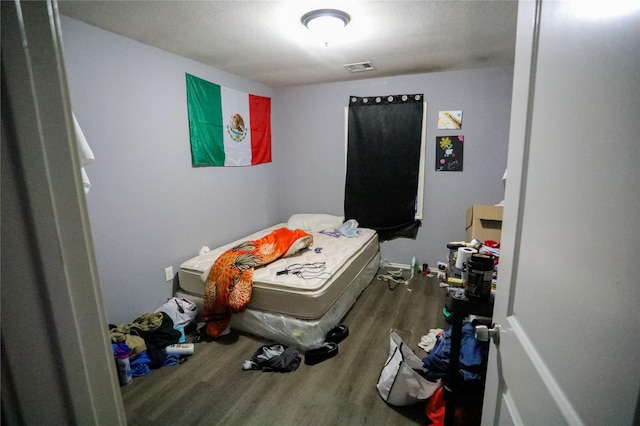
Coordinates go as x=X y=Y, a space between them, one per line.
x=325 y=24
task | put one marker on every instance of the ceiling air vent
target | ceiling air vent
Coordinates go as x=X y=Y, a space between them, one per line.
x=359 y=67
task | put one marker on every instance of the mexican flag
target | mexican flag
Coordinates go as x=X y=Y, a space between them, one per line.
x=227 y=127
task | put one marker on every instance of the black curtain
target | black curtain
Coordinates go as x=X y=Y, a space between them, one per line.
x=383 y=160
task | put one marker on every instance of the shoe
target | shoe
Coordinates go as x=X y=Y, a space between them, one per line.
x=337 y=334
x=324 y=352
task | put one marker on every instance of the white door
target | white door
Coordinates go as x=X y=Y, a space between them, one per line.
x=568 y=297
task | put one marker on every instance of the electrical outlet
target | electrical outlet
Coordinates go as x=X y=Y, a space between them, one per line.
x=168 y=273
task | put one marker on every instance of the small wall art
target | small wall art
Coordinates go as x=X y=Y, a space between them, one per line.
x=449 y=153
x=450 y=120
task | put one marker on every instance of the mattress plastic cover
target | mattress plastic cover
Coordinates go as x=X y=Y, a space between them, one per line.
x=288 y=294
x=291 y=331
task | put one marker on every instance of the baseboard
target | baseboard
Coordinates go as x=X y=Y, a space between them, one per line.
x=398 y=265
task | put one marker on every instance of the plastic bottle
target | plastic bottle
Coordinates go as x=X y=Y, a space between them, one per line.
x=180 y=349
x=414 y=265
x=121 y=353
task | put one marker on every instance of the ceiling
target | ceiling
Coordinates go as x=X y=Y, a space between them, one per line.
x=265 y=41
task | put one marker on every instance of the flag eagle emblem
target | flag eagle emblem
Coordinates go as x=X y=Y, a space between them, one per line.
x=236 y=128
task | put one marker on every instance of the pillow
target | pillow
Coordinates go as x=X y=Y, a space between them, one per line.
x=314 y=222
x=299 y=244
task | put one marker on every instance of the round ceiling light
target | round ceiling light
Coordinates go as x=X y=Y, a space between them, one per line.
x=325 y=23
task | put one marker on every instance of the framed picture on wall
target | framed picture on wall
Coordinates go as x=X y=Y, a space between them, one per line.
x=449 y=153
x=449 y=120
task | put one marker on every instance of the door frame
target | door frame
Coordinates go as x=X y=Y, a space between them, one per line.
x=496 y=397
x=52 y=306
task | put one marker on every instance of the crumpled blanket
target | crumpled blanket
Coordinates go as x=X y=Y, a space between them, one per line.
x=230 y=280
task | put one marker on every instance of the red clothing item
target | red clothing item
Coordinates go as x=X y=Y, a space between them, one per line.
x=435 y=408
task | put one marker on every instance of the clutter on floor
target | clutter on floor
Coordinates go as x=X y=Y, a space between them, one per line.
x=153 y=340
x=457 y=357
x=428 y=341
x=403 y=380
x=472 y=265
x=281 y=358
x=407 y=379
x=325 y=351
x=469 y=274
x=473 y=355
x=393 y=278
x=274 y=357
x=329 y=348
x=337 y=334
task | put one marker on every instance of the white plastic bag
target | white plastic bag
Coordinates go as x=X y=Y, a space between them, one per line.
x=399 y=383
x=181 y=311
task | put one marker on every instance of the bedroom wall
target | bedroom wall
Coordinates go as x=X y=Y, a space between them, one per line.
x=313 y=149
x=148 y=207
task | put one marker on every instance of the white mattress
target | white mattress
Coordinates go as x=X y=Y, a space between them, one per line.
x=303 y=334
x=291 y=295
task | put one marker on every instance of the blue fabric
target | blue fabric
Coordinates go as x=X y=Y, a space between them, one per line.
x=473 y=354
x=183 y=338
x=143 y=365
x=349 y=228
x=437 y=362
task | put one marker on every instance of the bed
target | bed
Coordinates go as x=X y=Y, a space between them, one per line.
x=288 y=308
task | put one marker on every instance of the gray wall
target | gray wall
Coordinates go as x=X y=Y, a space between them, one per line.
x=150 y=209
x=314 y=156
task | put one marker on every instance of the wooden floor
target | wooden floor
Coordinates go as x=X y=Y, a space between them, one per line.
x=212 y=389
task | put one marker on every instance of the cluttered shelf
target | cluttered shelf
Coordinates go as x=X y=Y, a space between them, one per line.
x=470 y=273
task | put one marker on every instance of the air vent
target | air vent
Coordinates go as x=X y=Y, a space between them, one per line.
x=359 y=67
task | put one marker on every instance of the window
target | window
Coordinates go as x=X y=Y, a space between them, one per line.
x=385 y=163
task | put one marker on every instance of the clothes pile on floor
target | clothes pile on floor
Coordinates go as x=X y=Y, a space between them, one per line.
x=473 y=356
x=147 y=338
x=470 y=382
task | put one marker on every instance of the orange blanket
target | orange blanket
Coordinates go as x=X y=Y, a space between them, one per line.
x=230 y=281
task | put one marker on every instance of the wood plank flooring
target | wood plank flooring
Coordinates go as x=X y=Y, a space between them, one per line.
x=210 y=388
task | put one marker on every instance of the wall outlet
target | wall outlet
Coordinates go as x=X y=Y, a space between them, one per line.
x=168 y=273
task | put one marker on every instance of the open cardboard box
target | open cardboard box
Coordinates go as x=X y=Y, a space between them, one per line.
x=484 y=222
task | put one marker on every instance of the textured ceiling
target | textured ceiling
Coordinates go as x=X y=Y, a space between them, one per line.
x=265 y=41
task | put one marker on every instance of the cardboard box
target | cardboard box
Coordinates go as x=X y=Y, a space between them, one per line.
x=484 y=222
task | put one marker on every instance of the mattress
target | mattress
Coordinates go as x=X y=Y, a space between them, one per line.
x=287 y=294
x=303 y=334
